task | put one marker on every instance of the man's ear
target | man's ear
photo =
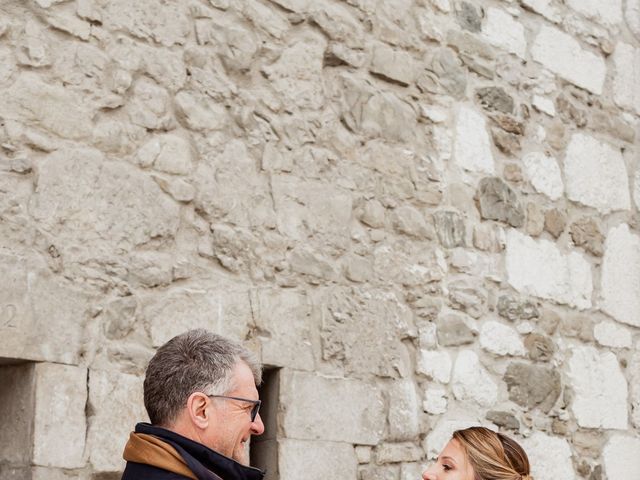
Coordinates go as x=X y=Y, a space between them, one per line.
x=197 y=409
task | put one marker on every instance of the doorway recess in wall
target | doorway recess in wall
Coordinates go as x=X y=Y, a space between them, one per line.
x=264 y=449
x=17 y=400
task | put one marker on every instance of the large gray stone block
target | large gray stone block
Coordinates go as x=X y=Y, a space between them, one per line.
x=316 y=460
x=334 y=409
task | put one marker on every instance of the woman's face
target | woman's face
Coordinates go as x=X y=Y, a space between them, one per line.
x=452 y=464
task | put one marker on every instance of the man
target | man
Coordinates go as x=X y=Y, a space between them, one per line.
x=201 y=397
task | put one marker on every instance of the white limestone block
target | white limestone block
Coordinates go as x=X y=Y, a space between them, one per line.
x=609 y=12
x=501 y=339
x=316 y=460
x=544 y=173
x=435 y=364
x=563 y=55
x=404 y=423
x=544 y=105
x=636 y=188
x=626 y=79
x=539 y=268
x=435 y=400
x=350 y=411
x=471 y=381
x=632 y=15
x=609 y=334
x=596 y=175
x=621 y=276
x=600 y=389
x=503 y=31
x=621 y=457
x=59 y=423
x=117 y=406
x=472 y=149
x=550 y=457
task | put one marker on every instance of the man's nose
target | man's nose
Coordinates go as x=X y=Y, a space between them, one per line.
x=257 y=427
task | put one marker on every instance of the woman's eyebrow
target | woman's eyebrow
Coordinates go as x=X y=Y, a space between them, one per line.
x=450 y=459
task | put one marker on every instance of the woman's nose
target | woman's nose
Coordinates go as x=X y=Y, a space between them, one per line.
x=428 y=474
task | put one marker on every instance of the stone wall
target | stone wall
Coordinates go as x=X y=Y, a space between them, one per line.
x=425 y=212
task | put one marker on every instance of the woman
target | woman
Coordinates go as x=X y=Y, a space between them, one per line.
x=478 y=453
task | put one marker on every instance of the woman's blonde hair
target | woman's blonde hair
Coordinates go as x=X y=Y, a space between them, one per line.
x=492 y=455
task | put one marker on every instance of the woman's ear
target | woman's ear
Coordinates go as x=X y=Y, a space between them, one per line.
x=198 y=409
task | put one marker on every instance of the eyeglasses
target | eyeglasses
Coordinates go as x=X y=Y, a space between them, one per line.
x=254 y=410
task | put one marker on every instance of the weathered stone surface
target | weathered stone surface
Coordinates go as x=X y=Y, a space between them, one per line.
x=495 y=99
x=596 y=175
x=398 y=452
x=199 y=112
x=354 y=324
x=471 y=149
x=499 y=202
x=411 y=222
x=577 y=326
x=500 y=339
x=34 y=47
x=351 y=410
x=513 y=308
x=104 y=198
x=316 y=460
x=533 y=386
x=621 y=456
x=404 y=408
x=538 y=268
x=339 y=23
x=450 y=228
x=632 y=16
x=503 y=419
x=453 y=331
x=609 y=14
x=468 y=298
x=550 y=457
x=503 y=31
x=226 y=311
x=296 y=75
x=116 y=402
x=61 y=392
x=167 y=153
x=435 y=365
x=284 y=317
x=41 y=316
x=377 y=472
x=468 y=17
x=541 y=348
x=634 y=387
x=563 y=55
x=554 y=222
x=376 y=114
x=544 y=174
x=546 y=8
x=471 y=382
x=626 y=60
x=600 y=388
x=435 y=400
x=444 y=74
x=534 y=225
x=609 y=334
x=147 y=20
x=392 y=65
x=51 y=107
x=621 y=276
x=586 y=233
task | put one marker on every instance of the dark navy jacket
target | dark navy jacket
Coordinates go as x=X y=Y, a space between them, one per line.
x=206 y=464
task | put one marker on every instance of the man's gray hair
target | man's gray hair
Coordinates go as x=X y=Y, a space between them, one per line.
x=195 y=361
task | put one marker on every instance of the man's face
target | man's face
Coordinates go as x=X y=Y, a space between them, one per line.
x=233 y=427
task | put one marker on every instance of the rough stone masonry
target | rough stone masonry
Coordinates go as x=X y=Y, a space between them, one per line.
x=425 y=213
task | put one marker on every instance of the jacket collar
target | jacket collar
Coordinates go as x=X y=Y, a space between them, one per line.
x=199 y=457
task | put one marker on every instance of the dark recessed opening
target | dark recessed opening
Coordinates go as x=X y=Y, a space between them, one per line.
x=264 y=449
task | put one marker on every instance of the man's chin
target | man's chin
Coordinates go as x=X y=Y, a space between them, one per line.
x=241 y=454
